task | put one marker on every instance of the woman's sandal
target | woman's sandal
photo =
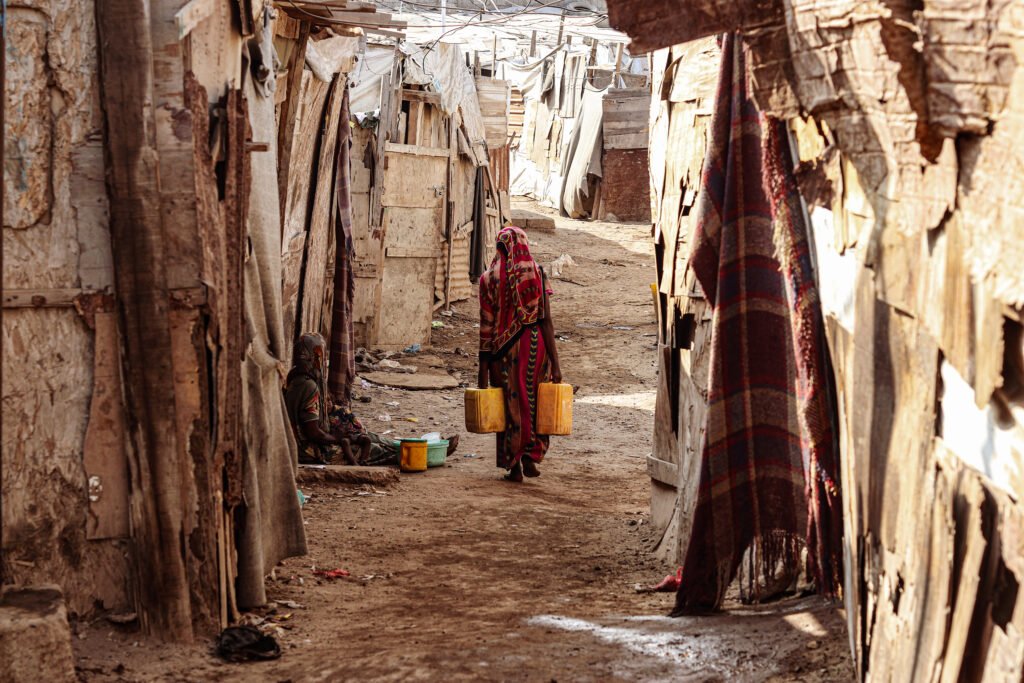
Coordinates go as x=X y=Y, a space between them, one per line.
x=530 y=469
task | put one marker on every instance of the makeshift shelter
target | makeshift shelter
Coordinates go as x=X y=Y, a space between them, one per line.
x=557 y=81
x=153 y=287
x=421 y=190
x=905 y=125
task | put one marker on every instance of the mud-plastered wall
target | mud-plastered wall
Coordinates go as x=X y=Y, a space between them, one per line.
x=56 y=280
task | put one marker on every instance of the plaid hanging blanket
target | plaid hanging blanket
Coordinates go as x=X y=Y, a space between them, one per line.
x=751 y=497
x=342 y=371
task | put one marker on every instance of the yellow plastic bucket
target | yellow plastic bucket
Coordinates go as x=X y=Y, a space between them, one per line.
x=414 y=455
x=485 y=410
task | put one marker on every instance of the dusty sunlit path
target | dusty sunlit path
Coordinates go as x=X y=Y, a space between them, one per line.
x=467 y=577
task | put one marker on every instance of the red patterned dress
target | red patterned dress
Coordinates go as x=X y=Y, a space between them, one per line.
x=513 y=303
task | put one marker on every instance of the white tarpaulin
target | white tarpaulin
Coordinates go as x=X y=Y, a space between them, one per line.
x=373 y=64
x=583 y=156
x=443 y=69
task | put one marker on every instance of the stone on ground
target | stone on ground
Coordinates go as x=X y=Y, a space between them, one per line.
x=346 y=474
x=531 y=220
x=35 y=637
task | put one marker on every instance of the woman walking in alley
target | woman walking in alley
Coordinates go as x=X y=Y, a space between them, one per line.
x=517 y=349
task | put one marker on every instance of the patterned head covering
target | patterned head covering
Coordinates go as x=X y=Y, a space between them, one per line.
x=310 y=361
x=520 y=288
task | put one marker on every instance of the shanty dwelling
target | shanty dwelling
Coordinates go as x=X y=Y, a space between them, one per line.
x=904 y=124
x=625 y=168
x=148 y=464
x=426 y=213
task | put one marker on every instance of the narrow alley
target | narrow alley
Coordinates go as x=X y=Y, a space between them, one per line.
x=512 y=340
x=458 y=575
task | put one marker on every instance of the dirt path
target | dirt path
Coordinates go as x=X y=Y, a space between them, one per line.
x=466 y=577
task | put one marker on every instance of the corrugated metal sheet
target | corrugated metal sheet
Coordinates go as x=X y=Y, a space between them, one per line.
x=462 y=288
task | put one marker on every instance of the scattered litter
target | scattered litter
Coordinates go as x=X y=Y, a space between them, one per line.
x=470 y=455
x=384 y=418
x=563 y=261
x=364 y=384
x=623 y=328
x=392 y=404
x=412 y=349
x=332 y=573
x=395 y=366
x=386 y=432
x=431 y=437
x=290 y=604
x=448 y=314
x=302 y=497
x=437 y=324
x=246 y=643
x=364 y=399
x=411 y=419
x=669 y=584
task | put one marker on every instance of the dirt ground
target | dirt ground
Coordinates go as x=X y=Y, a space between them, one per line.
x=457 y=575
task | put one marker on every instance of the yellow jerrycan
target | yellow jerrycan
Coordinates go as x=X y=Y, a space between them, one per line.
x=414 y=455
x=554 y=409
x=485 y=410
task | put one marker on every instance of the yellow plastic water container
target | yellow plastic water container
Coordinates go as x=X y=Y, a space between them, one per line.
x=414 y=455
x=485 y=410
x=554 y=409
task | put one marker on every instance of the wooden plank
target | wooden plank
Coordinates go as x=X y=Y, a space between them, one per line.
x=103 y=455
x=41 y=298
x=192 y=14
x=347 y=475
x=413 y=227
x=390 y=108
x=281 y=87
x=413 y=251
x=663 y=471
x=415 y=181
x=289 y=113
x=321 y=228
x=970 y=554
x=630 y=141
x=422 y=96
x=406 y=302
x=416 y=150
x=297 y=212
x=137 y=237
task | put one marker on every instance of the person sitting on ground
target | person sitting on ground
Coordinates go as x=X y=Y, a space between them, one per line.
x=320 y=427
x=327 y=435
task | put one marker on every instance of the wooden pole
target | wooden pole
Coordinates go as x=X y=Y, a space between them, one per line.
x=139 y=244
x=494 y=57
x=618 y=66
x=453 y=154
x=533 y=45
x=561 y=28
